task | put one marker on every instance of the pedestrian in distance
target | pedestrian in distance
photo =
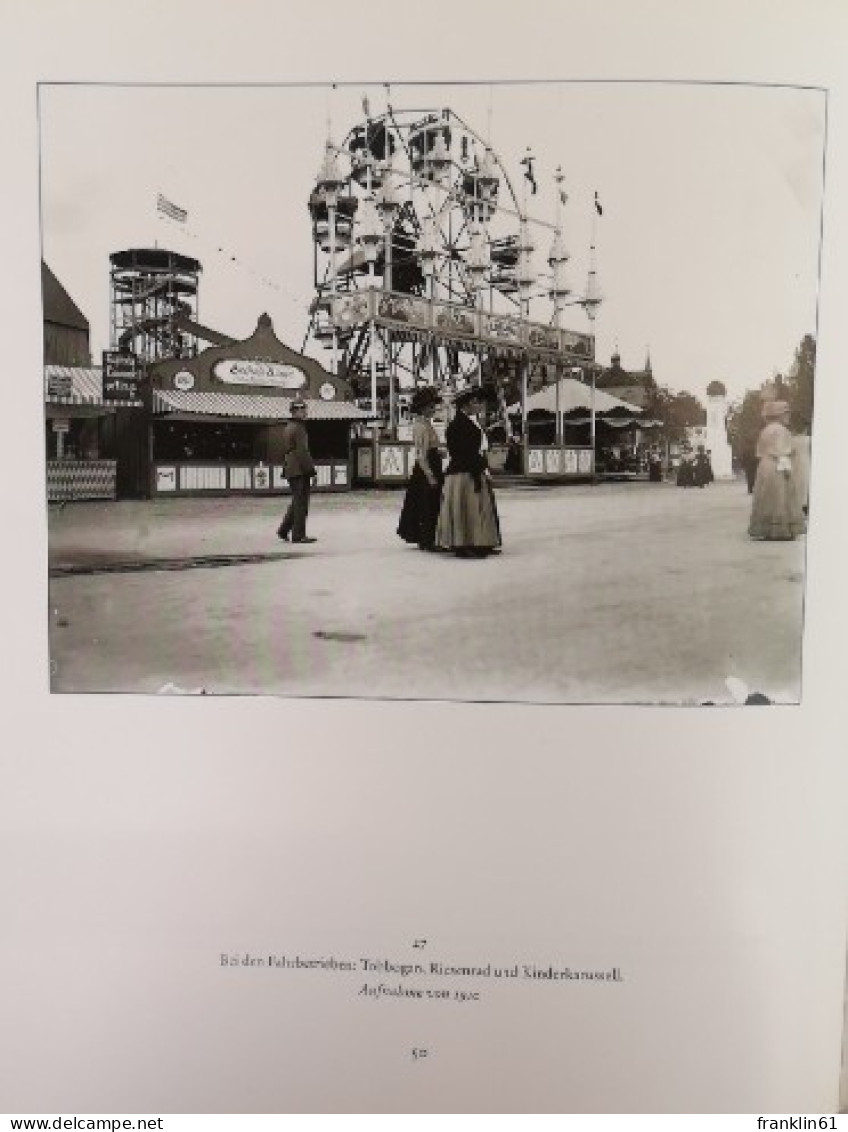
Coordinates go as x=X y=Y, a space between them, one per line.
x=801 y=468
x=749 y=465
x=468 y=519
x=420 y=511
x=655 y=469
x=702 y=468
x=776 y=510
x=299 y=470
x=685 y=471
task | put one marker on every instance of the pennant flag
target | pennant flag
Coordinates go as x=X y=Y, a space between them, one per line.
x=527 y=162
x=165 y=206
x=563 y=196
x=598 y=208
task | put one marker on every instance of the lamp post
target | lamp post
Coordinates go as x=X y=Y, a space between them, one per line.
x=368 y=237
x=557 y=259
x=327 y=189
x=478 y=262
x=388 y=206
x=427 y=252
x=591 y=302
x=439 y=165
x=525 y=278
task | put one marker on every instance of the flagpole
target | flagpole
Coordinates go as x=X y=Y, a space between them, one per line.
x=559 y=438
x=591 y=310
x=525 y=303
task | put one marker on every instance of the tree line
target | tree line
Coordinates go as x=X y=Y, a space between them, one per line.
x=744 y=421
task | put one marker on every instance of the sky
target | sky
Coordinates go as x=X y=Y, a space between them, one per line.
x=707 y=250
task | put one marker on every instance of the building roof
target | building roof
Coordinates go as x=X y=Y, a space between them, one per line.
x=79 y=385
x=59 y=307
x=615 y=377
x=251 y=406
x=574 y=394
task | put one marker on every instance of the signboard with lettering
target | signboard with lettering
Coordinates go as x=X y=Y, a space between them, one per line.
x=120 y=376
x=244 y=372
x=60 y=385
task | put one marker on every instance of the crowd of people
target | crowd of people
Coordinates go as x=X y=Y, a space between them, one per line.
x=695 y=470
x=453 y=508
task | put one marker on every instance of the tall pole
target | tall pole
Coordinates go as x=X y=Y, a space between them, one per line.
x=387 y=285
x=372 y=331
x=558 y=438
x=331 y=208
x=591 y=307
x=525 y=309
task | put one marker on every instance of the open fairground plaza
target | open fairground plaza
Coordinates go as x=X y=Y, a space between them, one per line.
x=477 y=327
x=602 y=593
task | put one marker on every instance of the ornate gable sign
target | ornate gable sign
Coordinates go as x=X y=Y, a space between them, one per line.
x=244 y=372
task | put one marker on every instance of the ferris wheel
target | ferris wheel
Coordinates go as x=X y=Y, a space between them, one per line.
x=424 y=257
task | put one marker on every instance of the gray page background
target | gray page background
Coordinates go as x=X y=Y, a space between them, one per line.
x=703 y=851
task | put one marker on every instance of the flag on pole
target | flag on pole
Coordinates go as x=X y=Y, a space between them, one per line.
x=563 y=196
x=527 y=162
x=167 y=208
x=598 y=208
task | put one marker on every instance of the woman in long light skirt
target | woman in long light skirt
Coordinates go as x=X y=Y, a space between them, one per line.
x=468 y=520
x=776 y=510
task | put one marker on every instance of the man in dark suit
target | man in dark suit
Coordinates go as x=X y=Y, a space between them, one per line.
x=299 y=470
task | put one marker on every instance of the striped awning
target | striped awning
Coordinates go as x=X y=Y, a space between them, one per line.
x=250 y=406
x=79 y=385
x=575 y=395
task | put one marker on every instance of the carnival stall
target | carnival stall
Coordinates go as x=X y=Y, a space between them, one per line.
x=566 y=420
x=216 y=419
x=80 y=433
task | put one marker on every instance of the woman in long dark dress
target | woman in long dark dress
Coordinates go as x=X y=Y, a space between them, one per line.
x=702 y=470
x=468 y=520
x=685 y=471
x=420 y=510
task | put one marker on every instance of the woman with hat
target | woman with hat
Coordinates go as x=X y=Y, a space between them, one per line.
x=468 y=519
x=775 y=508
x=421 y=503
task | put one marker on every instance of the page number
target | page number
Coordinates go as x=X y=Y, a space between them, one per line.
x=419 y=943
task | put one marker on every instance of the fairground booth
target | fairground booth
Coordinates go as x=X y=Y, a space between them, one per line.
x=573 y=429
x=216 y=419
x=84 y=415
x=82 y=427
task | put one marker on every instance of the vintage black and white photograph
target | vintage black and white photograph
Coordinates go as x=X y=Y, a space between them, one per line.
x=451 y=391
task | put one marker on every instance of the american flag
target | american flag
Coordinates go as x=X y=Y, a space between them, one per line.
x=167 y=208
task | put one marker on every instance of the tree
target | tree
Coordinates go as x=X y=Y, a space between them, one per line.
x=675 y=411
x=800 y=383
x=744 y=422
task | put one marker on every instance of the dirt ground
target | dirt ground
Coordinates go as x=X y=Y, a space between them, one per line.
x=614 y=593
